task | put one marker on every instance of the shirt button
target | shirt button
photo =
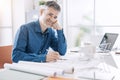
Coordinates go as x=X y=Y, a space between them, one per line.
x=39 y=51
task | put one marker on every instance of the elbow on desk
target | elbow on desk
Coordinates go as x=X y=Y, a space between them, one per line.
x=14 y=59
x=15 y=56
x=63 y=52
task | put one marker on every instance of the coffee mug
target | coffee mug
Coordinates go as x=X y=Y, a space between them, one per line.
x=88 y=50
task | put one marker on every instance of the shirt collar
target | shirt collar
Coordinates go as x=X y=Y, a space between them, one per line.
x=38 y=27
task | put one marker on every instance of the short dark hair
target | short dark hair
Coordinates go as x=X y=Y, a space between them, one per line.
x=53 y=4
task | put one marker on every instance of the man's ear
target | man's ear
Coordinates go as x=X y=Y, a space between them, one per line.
x=41 y=11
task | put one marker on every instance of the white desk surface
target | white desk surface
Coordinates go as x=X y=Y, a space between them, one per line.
x=6 y=74
x=82 y=67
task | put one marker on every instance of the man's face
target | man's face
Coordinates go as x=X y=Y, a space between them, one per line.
x=49 y=16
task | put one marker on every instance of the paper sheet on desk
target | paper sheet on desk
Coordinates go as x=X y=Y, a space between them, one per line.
x=78 y=62
x=95 y=75
x=66 y=68
x=70 y=56
x=45 y=71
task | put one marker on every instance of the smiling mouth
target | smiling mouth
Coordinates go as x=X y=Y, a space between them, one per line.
x=49 y=22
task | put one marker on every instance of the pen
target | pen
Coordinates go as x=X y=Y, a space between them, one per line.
x=87 y=78
x=42 y=78
x=94 y=75
x=74 y=51
x=62 y=59
x=113 y=78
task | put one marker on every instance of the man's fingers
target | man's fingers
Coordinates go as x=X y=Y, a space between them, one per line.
x=54 y=22
x=52 y=56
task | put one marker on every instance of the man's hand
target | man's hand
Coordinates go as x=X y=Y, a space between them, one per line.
x=56 y=26
x=52 y=56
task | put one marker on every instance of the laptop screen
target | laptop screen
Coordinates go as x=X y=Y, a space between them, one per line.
x=108 y=41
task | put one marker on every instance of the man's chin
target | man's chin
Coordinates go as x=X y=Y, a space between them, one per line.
x=47 y=25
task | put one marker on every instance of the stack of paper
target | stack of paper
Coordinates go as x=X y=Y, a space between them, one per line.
x=65 y=67
x=45 y=69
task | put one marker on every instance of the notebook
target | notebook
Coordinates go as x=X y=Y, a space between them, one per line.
x=107 y=42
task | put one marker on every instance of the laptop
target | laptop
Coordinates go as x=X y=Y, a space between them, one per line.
x=107 y=42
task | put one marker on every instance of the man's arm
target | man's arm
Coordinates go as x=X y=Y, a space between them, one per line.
x=58 y=43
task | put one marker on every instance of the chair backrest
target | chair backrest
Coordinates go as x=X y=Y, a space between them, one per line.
x=5 y=55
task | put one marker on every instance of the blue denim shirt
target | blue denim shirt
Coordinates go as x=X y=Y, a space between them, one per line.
x=31 y=44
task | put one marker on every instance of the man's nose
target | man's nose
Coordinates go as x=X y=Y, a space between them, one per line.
x=52 y=19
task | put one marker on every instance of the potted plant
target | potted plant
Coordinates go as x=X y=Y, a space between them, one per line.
x=42 y=2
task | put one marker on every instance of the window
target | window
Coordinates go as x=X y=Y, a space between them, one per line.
x=79 y=20
x=5 y=22
x=89 y=17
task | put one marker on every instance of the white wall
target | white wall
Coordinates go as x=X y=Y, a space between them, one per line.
x=5 y=13
x=5 y=22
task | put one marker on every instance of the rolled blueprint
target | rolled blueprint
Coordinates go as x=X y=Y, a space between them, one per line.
x=45 y=71
x=66 y=68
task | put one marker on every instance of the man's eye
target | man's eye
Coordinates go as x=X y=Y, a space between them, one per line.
x=50 y=15
x=55 y=17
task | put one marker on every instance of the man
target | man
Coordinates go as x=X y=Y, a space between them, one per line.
x=33 y=40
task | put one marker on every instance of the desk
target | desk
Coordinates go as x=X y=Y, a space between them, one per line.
x=79 y=64
x=6 y=74
x=116 y=58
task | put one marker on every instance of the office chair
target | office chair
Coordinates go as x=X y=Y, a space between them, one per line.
x=5 y=55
